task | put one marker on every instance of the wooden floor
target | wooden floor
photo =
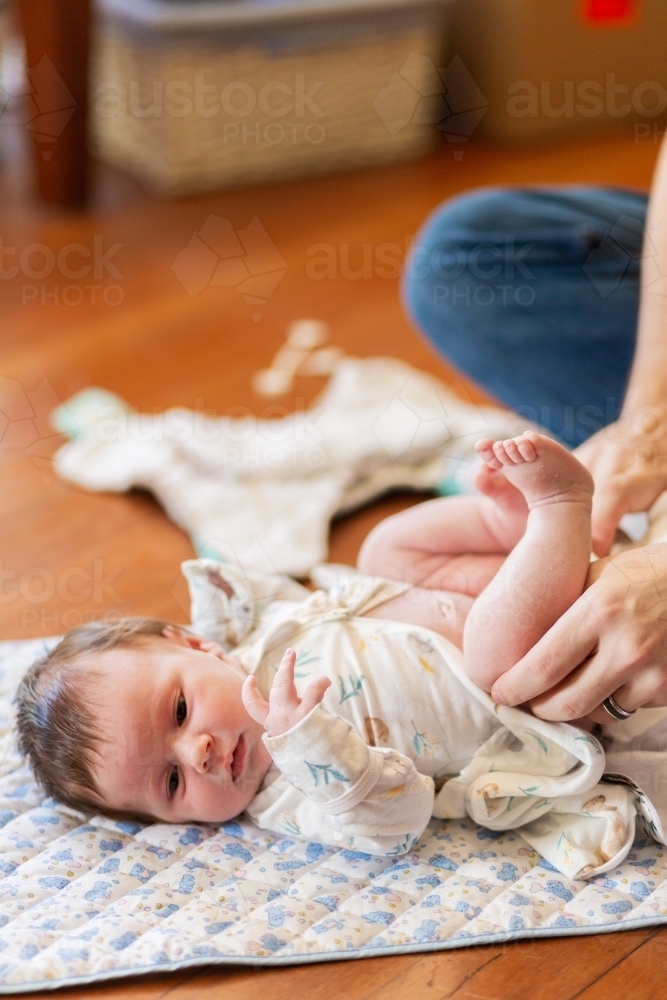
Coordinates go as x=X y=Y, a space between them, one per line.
x=132 y=328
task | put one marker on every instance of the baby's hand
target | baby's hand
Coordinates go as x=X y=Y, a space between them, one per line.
x=284 y=707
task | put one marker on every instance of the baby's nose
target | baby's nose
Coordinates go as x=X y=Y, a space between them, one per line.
x=200 y=750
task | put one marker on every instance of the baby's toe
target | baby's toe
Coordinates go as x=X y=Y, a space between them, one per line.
x=500 y=451
x=513 y=452
x=485 y=449
x=527 y=449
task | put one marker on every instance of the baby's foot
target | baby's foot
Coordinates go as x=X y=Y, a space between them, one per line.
x=506 y=510
x=544 y=471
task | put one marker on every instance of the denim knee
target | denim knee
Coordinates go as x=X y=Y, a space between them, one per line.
x=484 y=210
x=478 y=231
x=468 y=232
x=533 y=293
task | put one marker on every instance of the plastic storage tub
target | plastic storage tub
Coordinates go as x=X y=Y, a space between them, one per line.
x=189 y=96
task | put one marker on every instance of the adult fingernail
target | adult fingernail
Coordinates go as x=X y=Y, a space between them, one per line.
x=498 y=698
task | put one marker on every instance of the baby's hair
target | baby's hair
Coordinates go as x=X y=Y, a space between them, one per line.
x=57 y=732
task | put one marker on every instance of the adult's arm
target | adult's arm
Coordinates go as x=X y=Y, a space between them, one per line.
x=628 y=459
x=613 y=640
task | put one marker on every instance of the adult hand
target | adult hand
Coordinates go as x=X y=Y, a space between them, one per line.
x=613 y=640
x=628 y=462
x=284 y=708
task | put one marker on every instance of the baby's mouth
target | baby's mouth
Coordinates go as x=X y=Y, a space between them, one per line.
x=238 y=757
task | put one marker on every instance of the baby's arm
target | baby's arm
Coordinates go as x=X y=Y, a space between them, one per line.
x=368 y=797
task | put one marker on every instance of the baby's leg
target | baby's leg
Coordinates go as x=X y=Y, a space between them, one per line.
x=453 y=544
x=545 y=573
x=449 y=550
x=442 y=611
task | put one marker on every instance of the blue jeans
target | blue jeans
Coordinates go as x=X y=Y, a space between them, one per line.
x=533 y=293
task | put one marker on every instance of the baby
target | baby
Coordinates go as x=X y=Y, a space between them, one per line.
x=369 y=723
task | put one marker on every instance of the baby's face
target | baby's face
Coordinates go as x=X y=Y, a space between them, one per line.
x=179 y=744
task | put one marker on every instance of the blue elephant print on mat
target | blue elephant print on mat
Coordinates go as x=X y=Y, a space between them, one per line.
x=53 y=882
x=271 y=942
x=558 y=889
x=111 y=865
x=111 y=845
x=141 y=872
x=427 y=931
x=186 y=885
x=639 y=891
x=124 y=941
x=508 y=872
x=618 y=906
x=191 y=836
x=100 y=890
x=379 y=917
x=237 y=851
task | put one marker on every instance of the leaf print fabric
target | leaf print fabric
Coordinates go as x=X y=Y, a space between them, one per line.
x=324 y=772
x=351 y=691
x=422 y=744
x=400 y=713
x=362 y=789
x=194 y=895
x=304 y=659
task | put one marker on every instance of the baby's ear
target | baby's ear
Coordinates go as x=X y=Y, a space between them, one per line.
x=207 y=646
x=191 y=641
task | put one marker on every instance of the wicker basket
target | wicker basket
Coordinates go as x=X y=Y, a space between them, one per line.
x=190 y=96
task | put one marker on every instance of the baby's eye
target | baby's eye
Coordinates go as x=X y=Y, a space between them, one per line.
x=172 y=784
x=181 y=711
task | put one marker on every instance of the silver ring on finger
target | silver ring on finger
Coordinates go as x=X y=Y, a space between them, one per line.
x=612 y=708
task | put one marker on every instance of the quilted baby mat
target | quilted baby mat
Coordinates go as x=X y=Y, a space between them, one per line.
x=87 y=899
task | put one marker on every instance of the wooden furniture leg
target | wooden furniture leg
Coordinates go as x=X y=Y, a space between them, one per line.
x=57 y=39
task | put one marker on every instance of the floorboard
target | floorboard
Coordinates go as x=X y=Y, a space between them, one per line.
x=67 y=555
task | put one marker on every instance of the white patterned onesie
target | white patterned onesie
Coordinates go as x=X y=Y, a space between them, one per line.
x=402 y=733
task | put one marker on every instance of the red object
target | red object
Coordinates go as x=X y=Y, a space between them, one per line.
x=610 y=13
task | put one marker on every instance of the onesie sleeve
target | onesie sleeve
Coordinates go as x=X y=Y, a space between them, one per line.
x=336 y=789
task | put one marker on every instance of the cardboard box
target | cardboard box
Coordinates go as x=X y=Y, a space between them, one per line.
x=549 y=67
